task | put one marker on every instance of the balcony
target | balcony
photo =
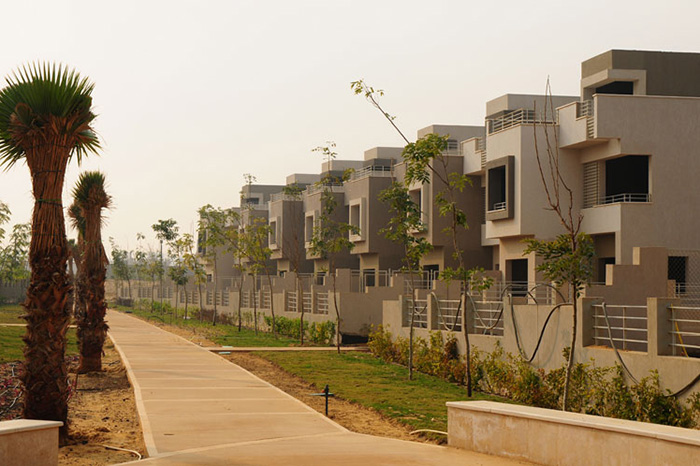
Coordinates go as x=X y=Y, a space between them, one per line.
x=372 y=170
x=516 y=118
x=317 y=188
x=624 y=197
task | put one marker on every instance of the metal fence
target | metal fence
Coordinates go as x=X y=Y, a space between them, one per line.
x=321 y=302
x=360 y=280
x=420 y=313
x=292 y=300
x=626 y=325
x=449 y=314
x=685 y=330
x=307 y=301
x=487 y=317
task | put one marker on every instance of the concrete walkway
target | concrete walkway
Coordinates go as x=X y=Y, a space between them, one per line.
x=197 y=408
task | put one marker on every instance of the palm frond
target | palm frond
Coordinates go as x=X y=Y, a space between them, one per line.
x=40 y=98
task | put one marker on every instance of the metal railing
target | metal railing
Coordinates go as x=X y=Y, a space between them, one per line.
x=449 y=315
x=498 y=206
x=481 y=150
x=316 y=188
x=306 y=301
x=321 y=302
x=515 y=118
x=627 y=325
x=535 y=292
x=245 y=299
x=423 y=281
x=420 y=316
x=225 y=296
x=285 y=197
x=488 y=318
x=685 y=330
x=266 y=300
x=361 y=280
x=292 y=301
x=372 y=170
x=625 y=197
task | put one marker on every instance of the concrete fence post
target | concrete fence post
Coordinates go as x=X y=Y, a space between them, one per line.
x=432 y=312
x=586 y=332
x=659 y=326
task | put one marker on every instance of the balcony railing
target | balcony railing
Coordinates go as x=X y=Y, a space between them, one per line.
x=316 y=188
x=625 y=197
x=285 y=197
x=498 y=206
x=584 y=109
x=515 y=118
x=372 y=170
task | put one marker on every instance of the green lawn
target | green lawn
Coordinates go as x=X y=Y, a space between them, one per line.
x=9 y=314
x=11 y=343
x=368 y=381
x=225 y=335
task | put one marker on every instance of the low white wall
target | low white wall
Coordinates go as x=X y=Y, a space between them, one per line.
x=550 y=437
x=25 y=442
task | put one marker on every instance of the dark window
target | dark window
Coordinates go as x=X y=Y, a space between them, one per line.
x=602 y=266
x=497 y=188
x=518 y=276
x=368 y=277
x=616 y=87
x=432 y=272
x=677 y=268
x=627 y=179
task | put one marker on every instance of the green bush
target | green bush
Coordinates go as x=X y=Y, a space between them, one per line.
x=594 y=390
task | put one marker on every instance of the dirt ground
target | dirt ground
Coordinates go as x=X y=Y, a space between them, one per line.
x=102 y=409
x=101 y=412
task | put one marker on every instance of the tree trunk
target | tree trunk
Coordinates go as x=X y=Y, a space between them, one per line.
x=570 y=362
x=300 y=301
x=337 y=318
x=255 y=303
x=201 y=308
x=240 y=303
x=45 y=376
x=272 y=306
x=216 y=291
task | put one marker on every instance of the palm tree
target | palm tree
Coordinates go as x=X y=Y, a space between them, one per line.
x=90 y=197
x=45 y=119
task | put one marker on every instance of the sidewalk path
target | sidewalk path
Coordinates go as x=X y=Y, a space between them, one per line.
x=197 y=408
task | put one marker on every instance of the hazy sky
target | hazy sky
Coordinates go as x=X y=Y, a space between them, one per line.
x=193 y=94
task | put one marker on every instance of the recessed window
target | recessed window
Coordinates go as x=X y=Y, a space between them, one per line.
x=273 y=233
x=499 y=188
x=308 y=228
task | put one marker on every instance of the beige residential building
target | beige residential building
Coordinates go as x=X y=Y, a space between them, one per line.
x=470 y=201
x=377 y=255
x=628 y=149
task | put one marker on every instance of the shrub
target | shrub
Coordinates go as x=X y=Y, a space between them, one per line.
x=594 y=390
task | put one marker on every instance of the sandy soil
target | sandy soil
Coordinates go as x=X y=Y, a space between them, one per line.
x=101 y=411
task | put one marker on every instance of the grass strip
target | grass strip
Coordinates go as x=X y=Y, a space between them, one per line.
x=370 y=382
x=221 y=334
x=11 y=344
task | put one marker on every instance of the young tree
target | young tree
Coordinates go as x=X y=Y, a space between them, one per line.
x=90 y=197
x=569 y=257
x=426 y=161
x=166 y=230
x=45 y=119
x=4 y=218
x=331 y=237
x=400 y=229
x=190 y=263
x=258 y=255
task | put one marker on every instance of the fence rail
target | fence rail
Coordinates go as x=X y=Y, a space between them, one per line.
x=487 y=317
x=420 y=313
x=515 y=118
x=292 y=300
x=626 y=324
x=321 y=302
x=372 y=170
x=449 y=315
x=685 y=330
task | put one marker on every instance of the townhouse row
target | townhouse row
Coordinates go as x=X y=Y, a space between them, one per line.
x=628 y=147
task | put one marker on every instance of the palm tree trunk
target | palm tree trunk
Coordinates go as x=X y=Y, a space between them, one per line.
x=92 y=328
x=45 y=377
